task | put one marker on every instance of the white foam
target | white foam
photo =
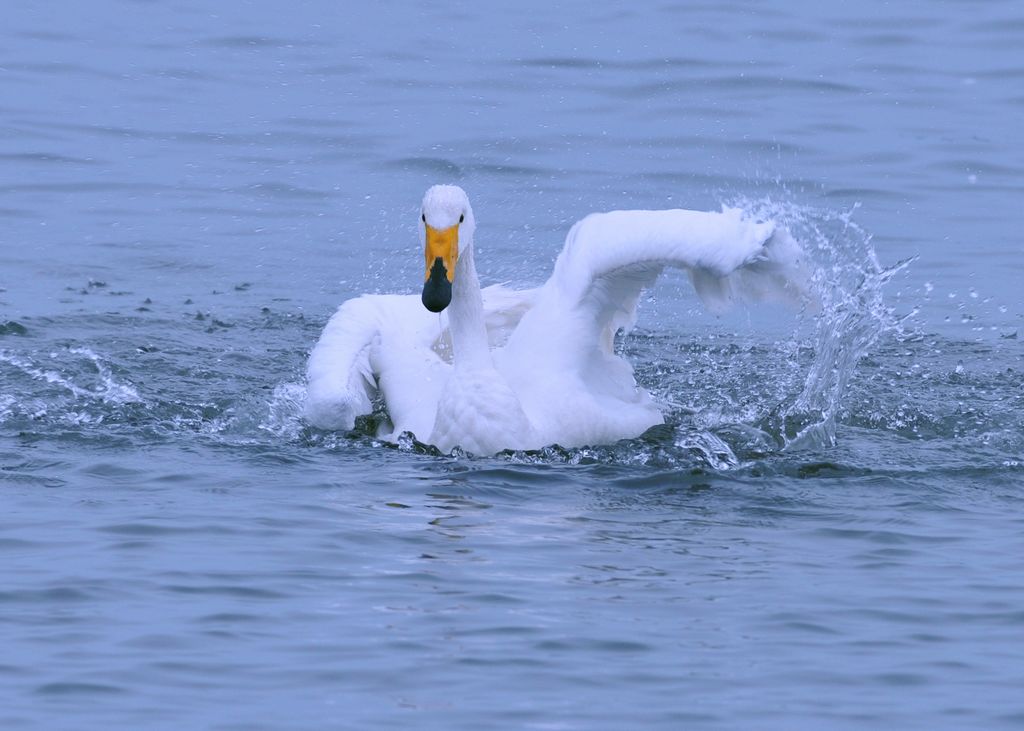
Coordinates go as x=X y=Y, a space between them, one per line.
x=111 y=391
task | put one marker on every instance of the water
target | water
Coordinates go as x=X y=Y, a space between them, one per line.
x=828 y=531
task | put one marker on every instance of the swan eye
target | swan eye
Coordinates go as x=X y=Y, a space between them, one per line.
x=462 y=218
x=423 y=217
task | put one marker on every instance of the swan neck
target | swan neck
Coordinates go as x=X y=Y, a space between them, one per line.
x=466 y=316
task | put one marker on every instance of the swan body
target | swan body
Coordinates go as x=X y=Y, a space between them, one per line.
x=504 y=369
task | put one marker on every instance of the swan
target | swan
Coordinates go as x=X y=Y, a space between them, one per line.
x=493 y=369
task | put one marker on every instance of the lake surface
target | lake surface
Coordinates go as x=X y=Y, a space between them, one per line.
x=827 y=533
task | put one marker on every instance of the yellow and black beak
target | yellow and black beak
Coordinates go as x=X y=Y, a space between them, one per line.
x=442 y=251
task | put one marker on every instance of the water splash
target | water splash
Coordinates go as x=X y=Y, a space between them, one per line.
x=284 y=411
x=31 y=369
x=109 y=390
x=708 y=448
x=851 y=315
x=77 y=390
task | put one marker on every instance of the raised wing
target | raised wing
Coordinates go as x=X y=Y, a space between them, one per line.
x=561 y=358
x=609 y=258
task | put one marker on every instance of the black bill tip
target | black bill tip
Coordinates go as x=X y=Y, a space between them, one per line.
x=437 y=290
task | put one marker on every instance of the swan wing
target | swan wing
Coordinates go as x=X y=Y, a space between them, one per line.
x=561 y=358
x=340 y=382
x=391 y=345
x=503 y=309
x=609 y=258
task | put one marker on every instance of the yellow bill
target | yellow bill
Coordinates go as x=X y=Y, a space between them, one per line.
x=442 y=252
x=443 y=244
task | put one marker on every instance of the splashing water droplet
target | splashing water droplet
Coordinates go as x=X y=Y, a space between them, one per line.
x=850 y=317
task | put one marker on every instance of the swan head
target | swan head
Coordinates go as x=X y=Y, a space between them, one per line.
x=446 y=221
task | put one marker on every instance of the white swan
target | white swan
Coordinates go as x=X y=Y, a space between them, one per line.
x=502 y=369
